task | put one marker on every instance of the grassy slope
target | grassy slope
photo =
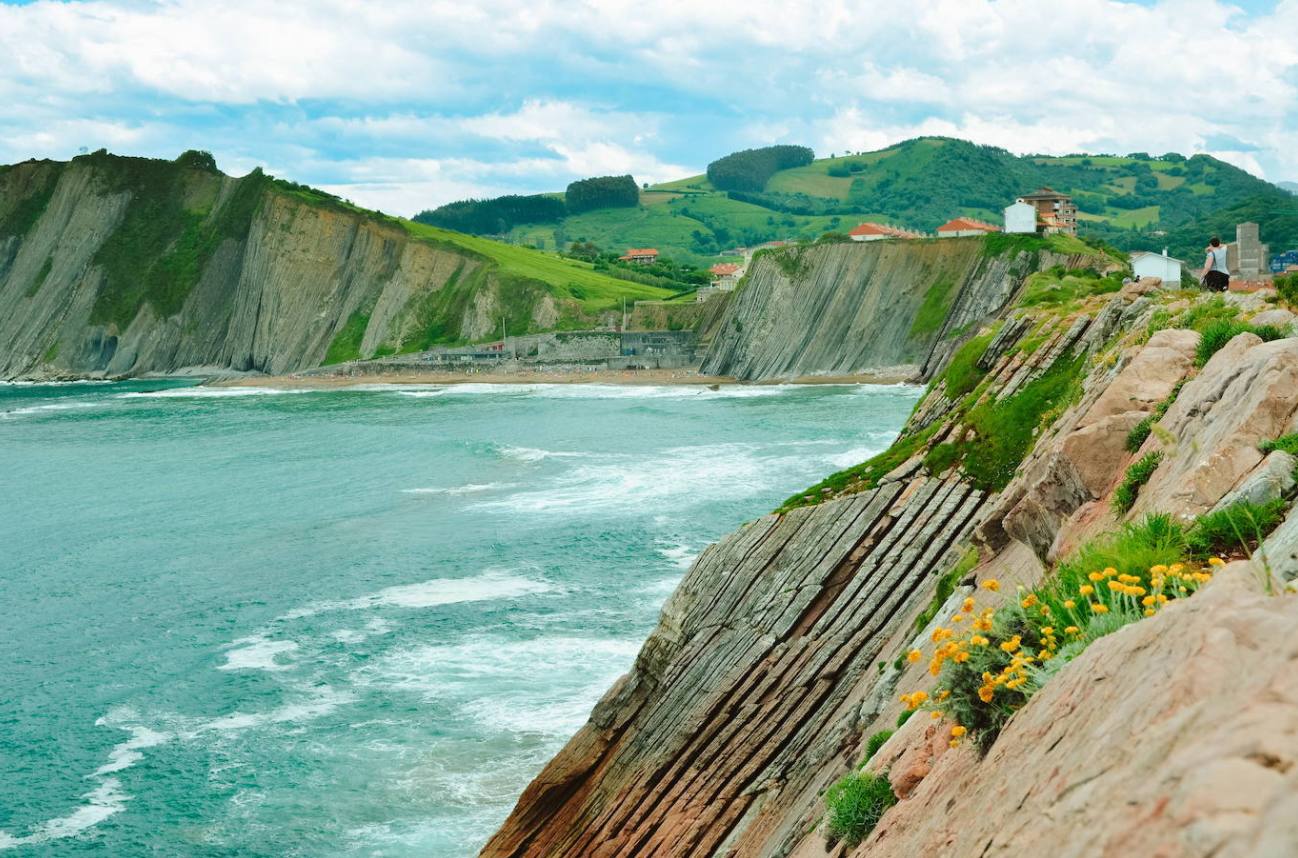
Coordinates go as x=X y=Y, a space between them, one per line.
x=924 y=182
x=172 y=227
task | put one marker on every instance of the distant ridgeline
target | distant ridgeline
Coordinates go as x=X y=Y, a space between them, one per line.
x=1135 y=201
x=499 y=215
x=121 y=266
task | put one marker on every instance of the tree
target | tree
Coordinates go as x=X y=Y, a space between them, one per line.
x=750 y=169
x=602 y=192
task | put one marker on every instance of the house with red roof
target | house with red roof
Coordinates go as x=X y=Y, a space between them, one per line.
x=875 y=231
x=962 y=226
x=640 y=255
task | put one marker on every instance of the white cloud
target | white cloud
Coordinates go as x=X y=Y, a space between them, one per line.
x=407 y=104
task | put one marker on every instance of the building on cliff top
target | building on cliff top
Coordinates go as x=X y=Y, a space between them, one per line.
x=1145 y=263
x=875 y=231
x=640 y=255
x=1247 y=254
x=1056 y=212
x=962 y=226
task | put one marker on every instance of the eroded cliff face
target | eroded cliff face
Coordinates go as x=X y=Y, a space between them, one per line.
x=121 y=266
x=780 y=653
x=870 y=307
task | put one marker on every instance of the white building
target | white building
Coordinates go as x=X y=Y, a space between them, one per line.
x=1160 y=265
x=1021 y=217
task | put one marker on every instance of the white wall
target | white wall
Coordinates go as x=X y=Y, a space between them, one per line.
x=1164 y=268
x=1020 y=217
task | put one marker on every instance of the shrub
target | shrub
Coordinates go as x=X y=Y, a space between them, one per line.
x=855 y=804
x=990 y=662
x=1285 y=443
x=963 y=372
x=875 y=742
x=1217 y=334
x=1286 y=286
x=1139 y=433
x=904 y=717
x=602 y=192
x=1124 y=498
x=1238 y=527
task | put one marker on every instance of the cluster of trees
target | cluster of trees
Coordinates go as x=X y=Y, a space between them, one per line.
x=494 y=216
x=499 y=215
x=664 y=272
x=602 y=192
x=750 y=169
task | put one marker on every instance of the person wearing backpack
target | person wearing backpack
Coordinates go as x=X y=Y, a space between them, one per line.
x=1216 y=273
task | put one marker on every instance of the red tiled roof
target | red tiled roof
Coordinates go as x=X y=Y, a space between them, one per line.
x=871 y=229
x=721 y=269
x=962 y=223
x=641 y=251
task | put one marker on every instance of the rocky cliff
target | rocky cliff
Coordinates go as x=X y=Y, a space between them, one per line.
x=784 y=650
x=122 y=266
x=867 y=307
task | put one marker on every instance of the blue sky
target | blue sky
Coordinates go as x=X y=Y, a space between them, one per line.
x=405 y=105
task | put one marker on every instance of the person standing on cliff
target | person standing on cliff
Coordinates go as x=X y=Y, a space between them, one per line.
x=1216 y=275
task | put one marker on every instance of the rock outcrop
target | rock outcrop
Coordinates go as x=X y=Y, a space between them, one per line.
x=856 y=307
x=116 y=266
x=784 y=647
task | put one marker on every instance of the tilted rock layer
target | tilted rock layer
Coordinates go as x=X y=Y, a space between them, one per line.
x=779 y=654
x=122 y=266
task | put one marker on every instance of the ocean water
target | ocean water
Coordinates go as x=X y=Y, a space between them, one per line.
x=242 y=622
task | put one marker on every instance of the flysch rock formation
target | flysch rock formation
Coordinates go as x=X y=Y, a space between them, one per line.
x=850 y=308
x=780 y=652
x=280 y=274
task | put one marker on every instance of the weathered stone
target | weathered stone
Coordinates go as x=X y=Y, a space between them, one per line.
x=1271 y=480
x=1278 y=317
x=1149 y=378
x=1177 y=736
x=1246 y=394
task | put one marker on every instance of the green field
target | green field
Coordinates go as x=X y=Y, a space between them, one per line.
x=1130 y=201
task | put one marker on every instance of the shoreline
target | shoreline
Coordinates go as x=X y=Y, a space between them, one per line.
x=645 y=377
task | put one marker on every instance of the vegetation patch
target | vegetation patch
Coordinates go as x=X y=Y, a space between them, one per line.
x=1239 y=528
x=992 y=659
x=962 y=373
x=855 y=804
x=1059 y=287
x=1286 y=286
x=346 y=344
x=1216 y=335
x=750 y=169
x=877 y=741
x=41 y=276
x=933 y=311
x=1124 y=497
x=31 y=203
x=864 y=476
x=1285 y=443
x=1140 y=432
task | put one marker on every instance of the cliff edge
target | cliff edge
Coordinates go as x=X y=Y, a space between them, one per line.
x=1138 y=442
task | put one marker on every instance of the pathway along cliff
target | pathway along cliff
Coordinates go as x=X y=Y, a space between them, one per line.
x=777 y=666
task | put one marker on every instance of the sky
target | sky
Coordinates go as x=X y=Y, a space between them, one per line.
x=403 y=105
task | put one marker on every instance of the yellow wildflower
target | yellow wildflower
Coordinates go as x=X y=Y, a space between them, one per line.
x=1100 y=608
x=961 y=657
x=935 y=715
x=1096 y=576
x=968 y=605
x=1148 y=601
x=1047 y=630
x=1160 y=569
x=1117 y=585
x=954 y=743
x=1216 y=561
x=914 y=656
x=1110 y=572
x=1149 y=612
x=1086 y=590
x=1071 y=630
x=991 y=584
x=986 y=693
x=1029 y=600
x=1069 y=604
x=958 y=730
x=1011 y=644
x=943 y=695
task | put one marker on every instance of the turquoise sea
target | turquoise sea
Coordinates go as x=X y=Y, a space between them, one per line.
x=244 y=622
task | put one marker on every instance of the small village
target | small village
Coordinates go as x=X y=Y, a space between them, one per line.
x=1043 y=212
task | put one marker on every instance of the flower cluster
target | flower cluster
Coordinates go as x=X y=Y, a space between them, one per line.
x=990 y=660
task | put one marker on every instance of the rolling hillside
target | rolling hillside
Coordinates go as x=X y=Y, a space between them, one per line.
x=1133 y=201
x=123 y=266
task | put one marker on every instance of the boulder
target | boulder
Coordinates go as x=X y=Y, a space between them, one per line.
x=1150 y=377
x=1278 y=317
x=1271 y=480
x=1280 y=550
x=1246 y=394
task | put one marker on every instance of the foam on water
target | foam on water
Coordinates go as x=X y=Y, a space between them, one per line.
x=257 y=653
x=45 y=408
x=471 y=488
x=126 y=754
x=489 y=585
x=212 y=392
x=101 y=802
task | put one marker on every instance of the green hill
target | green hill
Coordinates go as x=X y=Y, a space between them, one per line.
x=1132 y=201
